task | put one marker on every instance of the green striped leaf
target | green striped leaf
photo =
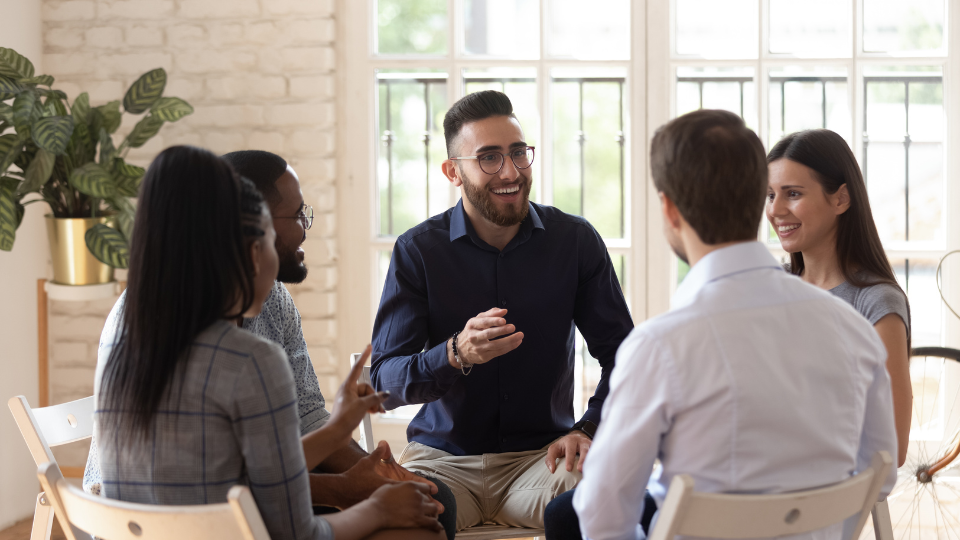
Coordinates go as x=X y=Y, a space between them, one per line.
x=10 y=148
x=128 y=178
x=107 y=245
x=25 y=112
x=81 y=108
x=9 y=218
x=128 y=187
x=109 y=117
x=52 y=134
x=171 y=109
x=56 y=107
x=93 y=180
x=14 y=65
x=145 y=91
x=80 y=143
x=107 y=149
x=45 y=80
x=9 y=87
x=6 y=113
x=144 y=131
x=125 y=169
x=38 y=172
x=59 y=94
x=125 y=216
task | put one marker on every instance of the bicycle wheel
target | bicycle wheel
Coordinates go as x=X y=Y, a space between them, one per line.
x=925 y=503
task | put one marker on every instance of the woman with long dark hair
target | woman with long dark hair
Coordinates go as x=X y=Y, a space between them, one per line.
x=189 y=403
x=817 y=203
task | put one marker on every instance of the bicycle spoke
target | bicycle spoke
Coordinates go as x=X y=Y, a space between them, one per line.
x=947 y=527
x=909 y=508
x=923 y=400
x=936 y=507
x=946 y=447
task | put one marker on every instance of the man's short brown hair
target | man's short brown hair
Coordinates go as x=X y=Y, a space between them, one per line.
x=714 y=169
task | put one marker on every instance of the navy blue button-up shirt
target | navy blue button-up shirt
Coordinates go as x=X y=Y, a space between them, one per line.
x=554 y=274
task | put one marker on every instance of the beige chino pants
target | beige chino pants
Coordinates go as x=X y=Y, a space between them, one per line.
x=512 y=488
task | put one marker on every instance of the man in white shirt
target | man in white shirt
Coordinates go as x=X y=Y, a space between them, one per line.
x=754 y=382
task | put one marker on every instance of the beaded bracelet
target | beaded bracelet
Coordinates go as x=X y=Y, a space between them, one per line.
x=465 y=369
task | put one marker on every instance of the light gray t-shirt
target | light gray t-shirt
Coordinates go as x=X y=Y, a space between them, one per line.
x=875 y=302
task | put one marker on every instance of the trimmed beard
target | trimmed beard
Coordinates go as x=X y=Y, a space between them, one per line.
x=482 y=200
x=291 y=269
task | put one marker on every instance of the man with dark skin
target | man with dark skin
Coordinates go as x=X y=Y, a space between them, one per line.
x=349 y=475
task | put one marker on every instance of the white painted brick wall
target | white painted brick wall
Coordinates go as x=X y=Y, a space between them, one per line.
x=260 y=74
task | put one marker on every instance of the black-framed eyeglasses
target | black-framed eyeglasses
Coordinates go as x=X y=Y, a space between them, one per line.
x=492 y=162
x=305 y=216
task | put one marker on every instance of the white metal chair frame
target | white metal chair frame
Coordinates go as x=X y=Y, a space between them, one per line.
x=479 y=532
x=85 y=516
x=715 y=515
x=45 y=427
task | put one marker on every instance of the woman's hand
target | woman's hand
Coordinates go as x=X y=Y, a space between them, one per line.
x=352 y=402
x=354 y=399
x=406 y=505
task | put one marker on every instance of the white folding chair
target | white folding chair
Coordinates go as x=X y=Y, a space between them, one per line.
x=479 y=532
x=46 y=427
x=85 y=516
x=882 y=526
x=717 y=515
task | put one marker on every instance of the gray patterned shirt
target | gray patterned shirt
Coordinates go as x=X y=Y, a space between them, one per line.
x=232 y=421
x=278 y=321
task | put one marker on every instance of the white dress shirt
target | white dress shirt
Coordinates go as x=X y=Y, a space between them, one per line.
x=753 y=382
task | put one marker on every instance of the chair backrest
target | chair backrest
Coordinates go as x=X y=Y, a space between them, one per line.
x=716 y=515
x=89 y=515
x=52 y=426
x=366 y=426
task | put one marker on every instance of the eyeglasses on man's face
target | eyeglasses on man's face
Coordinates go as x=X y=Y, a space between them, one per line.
x=305 y=215
x=492 y=162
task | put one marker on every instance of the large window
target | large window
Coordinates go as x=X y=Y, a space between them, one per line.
x=591 y=83
x=870 y=70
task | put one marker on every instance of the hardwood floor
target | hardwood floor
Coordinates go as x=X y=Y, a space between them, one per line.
x=21 y=531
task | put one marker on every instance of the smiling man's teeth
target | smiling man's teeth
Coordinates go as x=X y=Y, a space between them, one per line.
x=507 y=190
x=785 y=228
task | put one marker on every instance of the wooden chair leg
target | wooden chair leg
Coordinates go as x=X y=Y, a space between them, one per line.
x=42 y=519
x=882 y=527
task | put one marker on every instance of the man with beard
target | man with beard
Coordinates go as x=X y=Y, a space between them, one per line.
x=477 y=321
x=349 y=475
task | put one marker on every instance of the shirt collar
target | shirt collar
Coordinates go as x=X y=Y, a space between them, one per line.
x=458 y=221
x=719 y=264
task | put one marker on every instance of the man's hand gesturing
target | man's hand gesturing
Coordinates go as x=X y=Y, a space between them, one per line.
x=477 y=343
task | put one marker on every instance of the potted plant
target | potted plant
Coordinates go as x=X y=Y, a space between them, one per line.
x=63 y=154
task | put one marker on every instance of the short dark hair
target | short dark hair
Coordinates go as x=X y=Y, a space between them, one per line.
x=471 y=108
x=714 y=169
x=262 y=168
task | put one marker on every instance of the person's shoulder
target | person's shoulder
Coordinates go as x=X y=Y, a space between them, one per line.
x=554 y=215
x=885 y=293
x=235 y=342
x=436 y=226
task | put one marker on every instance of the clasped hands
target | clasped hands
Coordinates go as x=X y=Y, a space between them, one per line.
x=403 y=497
x=477 y=343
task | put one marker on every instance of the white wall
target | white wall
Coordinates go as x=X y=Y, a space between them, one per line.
x=19 y=271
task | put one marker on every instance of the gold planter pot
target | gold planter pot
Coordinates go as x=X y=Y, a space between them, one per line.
x=73 y=264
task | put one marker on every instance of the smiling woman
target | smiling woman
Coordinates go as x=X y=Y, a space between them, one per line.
x=817 y=203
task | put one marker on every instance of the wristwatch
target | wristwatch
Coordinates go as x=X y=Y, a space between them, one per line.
x=587 y=427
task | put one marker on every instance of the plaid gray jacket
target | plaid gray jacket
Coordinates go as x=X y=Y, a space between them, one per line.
x=233 y=421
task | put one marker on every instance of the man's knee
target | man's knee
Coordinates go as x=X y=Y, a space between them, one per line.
x=446 y=497
x=560 y=521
